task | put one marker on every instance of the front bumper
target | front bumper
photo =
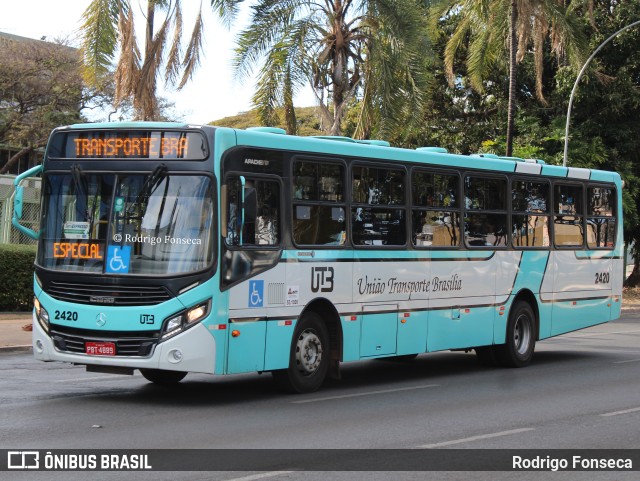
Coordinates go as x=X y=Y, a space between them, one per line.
x=196 y=345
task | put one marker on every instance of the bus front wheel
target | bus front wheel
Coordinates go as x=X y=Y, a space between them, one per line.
x=309 y=357
x=160 y=376
x=521 y=337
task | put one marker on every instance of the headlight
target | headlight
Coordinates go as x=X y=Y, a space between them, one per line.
x=197 y=313
x=41 y=314
x=182 y=321
x=173 y=324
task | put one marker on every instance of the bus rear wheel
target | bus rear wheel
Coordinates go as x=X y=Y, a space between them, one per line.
x=521 y=337
x=309 y=357
x=160 y=376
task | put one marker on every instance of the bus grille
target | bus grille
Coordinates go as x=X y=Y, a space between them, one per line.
x=108 y=295
x=139 y=344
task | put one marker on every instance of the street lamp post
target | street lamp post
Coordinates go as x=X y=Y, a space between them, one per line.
x=575 y=86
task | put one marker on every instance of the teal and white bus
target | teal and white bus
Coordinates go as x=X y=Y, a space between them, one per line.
x=173 y=248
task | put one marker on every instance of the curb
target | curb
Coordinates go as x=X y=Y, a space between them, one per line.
x=11 y=349
x=630 y=308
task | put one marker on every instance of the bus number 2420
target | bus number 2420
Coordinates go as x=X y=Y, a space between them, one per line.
x=602 y=278
x=66 y=315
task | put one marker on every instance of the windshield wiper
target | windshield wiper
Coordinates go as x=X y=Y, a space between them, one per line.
x=79 y=183
x=150 y=185
x=78 y=179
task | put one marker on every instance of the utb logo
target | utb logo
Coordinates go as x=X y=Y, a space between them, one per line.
x=23 y=460
x=322 y=279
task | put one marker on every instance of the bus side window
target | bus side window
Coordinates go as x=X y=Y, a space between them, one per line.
x=485 y=219
x=568 y=219
x=601 y=220
x=435 y=213
x=319 y=215
x=253 y=208
x=530 y=203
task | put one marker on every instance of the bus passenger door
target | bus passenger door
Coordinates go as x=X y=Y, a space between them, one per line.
x=379 y=330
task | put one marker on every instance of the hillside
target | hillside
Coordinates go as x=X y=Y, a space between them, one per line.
x=308 y=121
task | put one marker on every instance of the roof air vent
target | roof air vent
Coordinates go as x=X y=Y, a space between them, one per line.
x=437 y=150
x=268 y=130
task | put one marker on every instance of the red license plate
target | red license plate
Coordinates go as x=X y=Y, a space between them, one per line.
x=100 y=348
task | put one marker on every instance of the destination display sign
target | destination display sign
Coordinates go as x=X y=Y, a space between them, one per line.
x=78 y=250
x=124 y=144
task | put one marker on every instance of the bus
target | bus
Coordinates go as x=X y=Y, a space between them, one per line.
x=172 y=248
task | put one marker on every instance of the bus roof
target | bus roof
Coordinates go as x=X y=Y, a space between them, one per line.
x=128 y=125
x=275 y=138
x=435 y=156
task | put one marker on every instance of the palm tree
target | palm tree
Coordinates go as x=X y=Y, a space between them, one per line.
x=109 y=27
x=340 y=48
x=488 y=27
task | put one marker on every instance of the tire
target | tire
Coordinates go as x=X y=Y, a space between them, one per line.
x=521 y=337
x=160 y=376
x=309 y=357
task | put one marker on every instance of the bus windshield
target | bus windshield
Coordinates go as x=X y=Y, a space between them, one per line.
x=127 y=224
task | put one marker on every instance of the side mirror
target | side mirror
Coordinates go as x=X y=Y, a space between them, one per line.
x=18 y=202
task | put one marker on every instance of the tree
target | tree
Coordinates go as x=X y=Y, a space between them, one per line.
x=109 y=26
x=40 y=89
x=339 y=48
x=485 y=24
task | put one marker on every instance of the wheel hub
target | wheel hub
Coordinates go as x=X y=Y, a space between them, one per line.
x=522 y=334
x=308 y=352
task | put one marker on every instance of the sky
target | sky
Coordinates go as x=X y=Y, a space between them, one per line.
x=212 y=93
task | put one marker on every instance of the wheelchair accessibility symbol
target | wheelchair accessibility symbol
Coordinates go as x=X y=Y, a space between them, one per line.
x=118 y=259
x=256 y=293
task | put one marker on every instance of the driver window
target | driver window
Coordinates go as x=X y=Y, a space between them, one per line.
x=253 y=212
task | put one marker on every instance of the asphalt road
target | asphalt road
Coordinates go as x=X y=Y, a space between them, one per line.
x=581 y=392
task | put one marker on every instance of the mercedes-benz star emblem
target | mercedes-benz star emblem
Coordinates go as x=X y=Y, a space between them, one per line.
x=101 y=319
